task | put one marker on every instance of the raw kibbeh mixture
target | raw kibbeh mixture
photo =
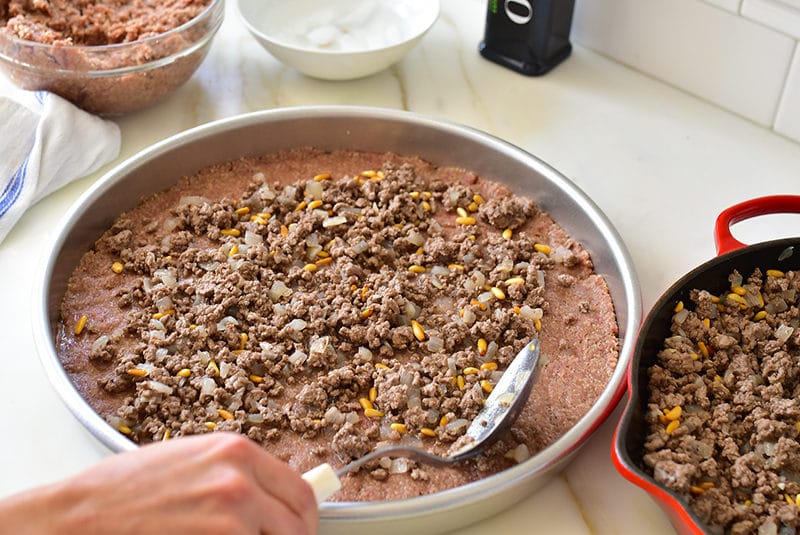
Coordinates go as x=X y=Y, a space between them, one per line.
x=723 y=413
x=95 y=22
x=327 y=303
x=108 y=57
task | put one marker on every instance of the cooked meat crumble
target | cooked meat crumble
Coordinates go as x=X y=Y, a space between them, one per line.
x=723 y=411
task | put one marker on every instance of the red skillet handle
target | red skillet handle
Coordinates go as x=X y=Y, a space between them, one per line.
x=774 y=204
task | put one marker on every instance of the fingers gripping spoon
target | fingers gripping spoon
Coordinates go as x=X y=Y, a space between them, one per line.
x=500 y=410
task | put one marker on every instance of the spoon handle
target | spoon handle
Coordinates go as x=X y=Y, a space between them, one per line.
x=323 y=480
x=409 y=452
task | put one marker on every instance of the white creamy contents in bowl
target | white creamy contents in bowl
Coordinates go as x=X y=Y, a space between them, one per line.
x=346 y=26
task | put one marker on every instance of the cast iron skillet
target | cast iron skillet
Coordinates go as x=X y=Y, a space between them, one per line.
x=784 y=254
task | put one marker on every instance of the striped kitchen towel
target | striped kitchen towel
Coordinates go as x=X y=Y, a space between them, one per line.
x=45 y=143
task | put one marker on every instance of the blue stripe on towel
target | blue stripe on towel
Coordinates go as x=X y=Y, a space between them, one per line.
x=13 y=189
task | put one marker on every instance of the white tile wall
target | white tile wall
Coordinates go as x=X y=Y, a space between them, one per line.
x=774 y=14
x=734 y=53
x=787 y=121
x=730 y=5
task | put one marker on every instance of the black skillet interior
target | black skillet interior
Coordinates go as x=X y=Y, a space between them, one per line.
x=712 y=276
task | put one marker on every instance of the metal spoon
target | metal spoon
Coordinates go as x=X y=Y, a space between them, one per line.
x=500 y=410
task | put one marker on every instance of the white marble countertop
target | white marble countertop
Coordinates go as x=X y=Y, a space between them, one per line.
x=659 y=163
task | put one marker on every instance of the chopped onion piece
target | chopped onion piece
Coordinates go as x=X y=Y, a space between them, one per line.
x=311 y=252
x=297 y=324
x=315 y=189
x=252 y=238
x=167 y=277
x=207 y=386
x=320 y=345
x=406 y=377
x=531 y=313
x=164 y=304
x=334 y=416
x=157 y=335
x=519 y=454
x=469 y=316
x=161 y=354
x=264 y=192
x=485 y=297
x=416 y=238
x=433 y=416
x=278 y=290
x=505 y=399
x=224 y=322
x=255 y=418
x=399 y=466
x=783 y=332
x=159 y=387
x=288 y=195
x=680 y=316
x=457 y=425
x=435 y=344
x=505 y=266
x=204 y=356
x=209 y=266
x=414 y=398
x=100 y=343
x=334 y=221
x=170 y=224
x=312 y=239
x=365 y=353
x=116 y=421
x=297 y=358
x=146 y=366
x=360 y=247
x=440 y=271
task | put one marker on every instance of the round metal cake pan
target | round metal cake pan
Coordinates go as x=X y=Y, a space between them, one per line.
x=368 y=129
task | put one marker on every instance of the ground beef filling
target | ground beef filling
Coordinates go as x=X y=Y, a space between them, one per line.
x=95 y=22
x=326 y=304
x=723 y=414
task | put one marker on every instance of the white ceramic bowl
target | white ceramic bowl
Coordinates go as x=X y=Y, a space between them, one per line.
x=338 y=39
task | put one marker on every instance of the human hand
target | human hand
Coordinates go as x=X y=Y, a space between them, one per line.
x=207 y=484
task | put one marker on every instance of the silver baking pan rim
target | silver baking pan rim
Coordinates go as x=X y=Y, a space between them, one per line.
x=369 y=129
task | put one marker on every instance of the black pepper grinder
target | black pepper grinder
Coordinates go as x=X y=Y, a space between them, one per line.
x=528 y=36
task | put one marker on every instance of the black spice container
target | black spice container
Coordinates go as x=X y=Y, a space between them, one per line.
x=528 y=36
